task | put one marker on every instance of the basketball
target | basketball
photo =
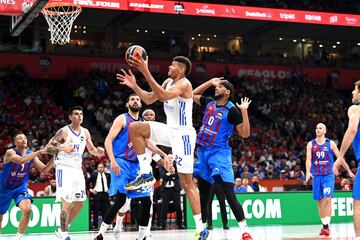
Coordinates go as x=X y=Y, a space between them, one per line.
x=135 y=51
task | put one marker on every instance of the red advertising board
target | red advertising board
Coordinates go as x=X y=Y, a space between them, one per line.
x=15 y=7
x=225 y=11
x=56 y=67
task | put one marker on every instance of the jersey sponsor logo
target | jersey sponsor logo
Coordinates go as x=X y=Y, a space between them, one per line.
x=82 y=139
x=219 y=115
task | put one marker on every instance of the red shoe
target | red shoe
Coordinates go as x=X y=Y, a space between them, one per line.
x=325 y=232
x=246 y=236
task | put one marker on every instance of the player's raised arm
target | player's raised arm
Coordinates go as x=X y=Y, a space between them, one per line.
x=197 y=93
x=244 y=128
x=128 y=79
x=96 y=151
x=12 y=156
x=116 y=127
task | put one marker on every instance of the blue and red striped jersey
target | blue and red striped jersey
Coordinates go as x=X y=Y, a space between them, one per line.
x=122 y=144
x=322 y=158
x=13 y=175
x=216 y=129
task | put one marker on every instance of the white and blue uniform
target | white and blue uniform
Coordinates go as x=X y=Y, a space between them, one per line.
x=178 y=132
x=70 y=181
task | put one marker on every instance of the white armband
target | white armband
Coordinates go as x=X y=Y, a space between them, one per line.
x=156 y=157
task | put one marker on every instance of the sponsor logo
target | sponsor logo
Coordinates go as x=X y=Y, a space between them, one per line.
x=219 y=115
x=258 y=14
x=265 y=73
x=146 y=5
x=91 y=3
x=230 y=10
x=44 y=62
x=7 y=2
x=179 y=7
x=333 y=19
x=287 y=16
x=350 y=20
x=205 y=10
x=316 y=18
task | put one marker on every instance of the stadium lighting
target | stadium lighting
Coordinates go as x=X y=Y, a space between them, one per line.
x=146 y=31
x=163 y=32
x=84 y=31
x=192 y=38
x=337 y=42
x=199 y=35
x=137 y=30
x=280 y=39
x=320 y=46
x=303 y=40
x=358 y=43
x=334 y=46
x=294 y=40
x=208 y=39
x=75 y=26
x=215 y=36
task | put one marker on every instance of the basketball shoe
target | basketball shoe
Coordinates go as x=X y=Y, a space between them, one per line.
x=141 y=181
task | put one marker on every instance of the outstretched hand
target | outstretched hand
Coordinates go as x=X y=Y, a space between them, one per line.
x=126 y=78
x=245 y=102
x=139 y=63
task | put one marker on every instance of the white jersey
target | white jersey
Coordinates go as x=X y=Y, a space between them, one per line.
x=178 y=111
x=78 y=140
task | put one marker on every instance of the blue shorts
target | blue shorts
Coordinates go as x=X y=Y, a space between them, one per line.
x=356 y=187
x=6 y=195
x=128 y=172
x=323 y=186
x=213 y=162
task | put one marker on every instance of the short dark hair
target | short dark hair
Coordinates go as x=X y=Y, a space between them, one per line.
x=228 y=85
x=17 y=134
x=80 y=108
x=185 y=61
x=132 y=94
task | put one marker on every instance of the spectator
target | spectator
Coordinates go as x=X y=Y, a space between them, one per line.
x=256 y=187
x=50 y=190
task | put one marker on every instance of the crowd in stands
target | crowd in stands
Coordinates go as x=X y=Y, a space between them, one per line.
x=346 y=6
x=283 y=116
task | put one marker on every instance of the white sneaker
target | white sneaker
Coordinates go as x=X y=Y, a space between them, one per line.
x=149 y=237
x=58 y=233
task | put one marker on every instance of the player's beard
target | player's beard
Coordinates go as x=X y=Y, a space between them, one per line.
x=217 y=97
x=134 y=109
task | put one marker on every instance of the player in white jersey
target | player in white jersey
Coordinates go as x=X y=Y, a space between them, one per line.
x=178 y=133
x=70 y=181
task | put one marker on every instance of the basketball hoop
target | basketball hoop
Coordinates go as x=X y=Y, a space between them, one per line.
x=60 y=17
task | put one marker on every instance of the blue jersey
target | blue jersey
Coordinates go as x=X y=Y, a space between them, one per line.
x=322 y=158
x=356 y=142
x=14 y=175
x=216 y=129
x=122 y=144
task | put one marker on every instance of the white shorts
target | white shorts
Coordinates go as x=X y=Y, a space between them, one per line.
x=70 y=184
x=181 y=141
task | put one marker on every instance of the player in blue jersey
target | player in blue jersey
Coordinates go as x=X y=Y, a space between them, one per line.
x=352 y=136
x=214 y=153
x=14 y=177
x=319 y=163
x=125 y=168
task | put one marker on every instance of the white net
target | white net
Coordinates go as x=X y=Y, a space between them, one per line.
x=60 y=19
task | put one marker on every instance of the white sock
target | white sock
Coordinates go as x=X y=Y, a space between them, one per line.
x=327 y=220
x=198 y=222
x=323 y=221
x=148 y=228
x=19 y=236
x=142 y=232
x=145 y=167
x=119 y=223
x=243 y=226
x=103 y=228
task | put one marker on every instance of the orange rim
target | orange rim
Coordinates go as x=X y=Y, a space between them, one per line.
x=58 y=4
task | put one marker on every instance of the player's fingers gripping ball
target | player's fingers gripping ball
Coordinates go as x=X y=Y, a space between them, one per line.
x=135 y=52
